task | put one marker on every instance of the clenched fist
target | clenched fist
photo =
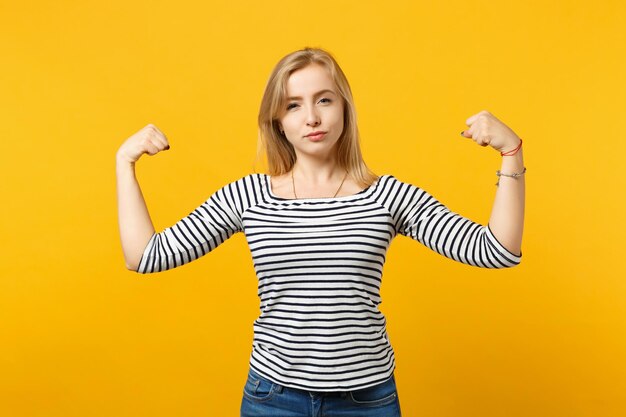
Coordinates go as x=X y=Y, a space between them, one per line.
x=148 y=140
x=485 y=129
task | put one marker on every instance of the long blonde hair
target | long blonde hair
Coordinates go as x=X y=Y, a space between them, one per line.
x=280 y=153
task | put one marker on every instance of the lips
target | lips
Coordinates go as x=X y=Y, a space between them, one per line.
x=316 y=135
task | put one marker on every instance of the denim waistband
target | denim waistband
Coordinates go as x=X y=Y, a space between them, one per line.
x=280 y=387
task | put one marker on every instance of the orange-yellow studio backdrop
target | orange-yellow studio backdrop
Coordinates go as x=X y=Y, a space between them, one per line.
x=80 y=335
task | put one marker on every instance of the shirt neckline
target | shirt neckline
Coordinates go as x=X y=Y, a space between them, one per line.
x=268 y=184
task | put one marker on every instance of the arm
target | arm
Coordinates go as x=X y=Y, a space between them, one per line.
x=507 y=214
x=193 y=236
x=204 y=229
x=422 y=217
x=135 y=225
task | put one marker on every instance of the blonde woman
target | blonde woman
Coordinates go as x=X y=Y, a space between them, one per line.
x=318 y=226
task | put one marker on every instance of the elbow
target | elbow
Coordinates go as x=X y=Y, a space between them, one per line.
x=133 y=260
x=131 y=264
x=513 y=249
x=512 y=263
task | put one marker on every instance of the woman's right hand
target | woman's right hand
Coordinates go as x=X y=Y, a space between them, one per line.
x=148 y=140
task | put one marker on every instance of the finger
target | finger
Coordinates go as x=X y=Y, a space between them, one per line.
x=161 y=142
x=467 y=133
x=151 y=148
x=485 y=140
x=157 y=130
x=158 y=139
x=470 y=120
x=478 y=138
x=162 y=138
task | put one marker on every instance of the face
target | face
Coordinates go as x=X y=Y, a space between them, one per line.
x=313 y=105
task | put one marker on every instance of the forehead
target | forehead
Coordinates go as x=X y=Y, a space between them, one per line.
x=309 y=80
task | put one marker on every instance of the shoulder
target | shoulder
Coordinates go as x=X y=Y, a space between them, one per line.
x=390 y=180
x=248 y=179
x=396 y=188
x=242 y=192
x=247 y=184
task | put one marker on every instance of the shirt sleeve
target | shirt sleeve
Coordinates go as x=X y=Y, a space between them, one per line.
x=423 y=218
x=195 y=235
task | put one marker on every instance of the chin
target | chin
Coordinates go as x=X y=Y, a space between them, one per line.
x=318 y=149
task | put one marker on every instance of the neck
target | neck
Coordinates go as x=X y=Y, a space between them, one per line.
x=317 y=172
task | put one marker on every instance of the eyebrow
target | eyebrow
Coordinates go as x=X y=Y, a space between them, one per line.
x=316 y=94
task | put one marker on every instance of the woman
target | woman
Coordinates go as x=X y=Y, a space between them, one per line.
x=318 y=227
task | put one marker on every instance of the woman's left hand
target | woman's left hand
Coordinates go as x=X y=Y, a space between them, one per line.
x=485 y=129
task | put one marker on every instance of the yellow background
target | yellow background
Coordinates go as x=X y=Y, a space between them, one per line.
x=82 y=336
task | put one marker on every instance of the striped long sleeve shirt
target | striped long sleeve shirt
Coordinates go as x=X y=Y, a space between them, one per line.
x=319 y=266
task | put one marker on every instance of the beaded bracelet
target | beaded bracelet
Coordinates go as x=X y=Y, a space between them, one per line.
x=514 y=175
x=512 y=151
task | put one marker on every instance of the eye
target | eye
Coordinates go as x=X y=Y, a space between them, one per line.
x=329 y=100
x=290 y=106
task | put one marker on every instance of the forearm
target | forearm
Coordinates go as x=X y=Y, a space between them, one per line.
x=135 y=224
x=507 y=214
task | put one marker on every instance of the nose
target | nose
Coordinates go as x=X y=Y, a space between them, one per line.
x=313 y=118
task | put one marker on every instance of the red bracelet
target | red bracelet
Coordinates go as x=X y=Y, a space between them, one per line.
x=512 y=151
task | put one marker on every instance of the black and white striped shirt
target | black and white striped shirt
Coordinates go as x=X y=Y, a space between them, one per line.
x=319 y=266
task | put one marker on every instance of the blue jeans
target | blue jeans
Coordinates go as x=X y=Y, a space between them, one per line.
x=264 y=398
